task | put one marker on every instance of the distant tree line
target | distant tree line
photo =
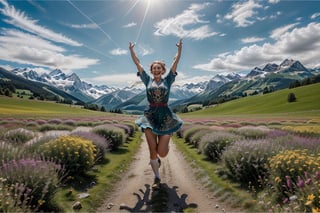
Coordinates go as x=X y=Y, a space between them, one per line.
x=7 y=88
x=306 y=81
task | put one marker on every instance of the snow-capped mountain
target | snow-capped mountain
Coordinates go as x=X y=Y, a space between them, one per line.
x=219 y=80
x=68 y=83
x=288 y=66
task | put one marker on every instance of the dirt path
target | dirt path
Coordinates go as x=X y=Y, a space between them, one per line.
x=179 y=189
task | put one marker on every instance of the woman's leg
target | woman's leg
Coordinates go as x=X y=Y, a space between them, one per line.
x=152 y=143
x=163 y=145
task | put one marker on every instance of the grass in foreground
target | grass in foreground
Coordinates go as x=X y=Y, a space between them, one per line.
x=226 y=191
x=104 y=176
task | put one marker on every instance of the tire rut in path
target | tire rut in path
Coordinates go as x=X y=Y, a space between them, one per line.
x=179 y=188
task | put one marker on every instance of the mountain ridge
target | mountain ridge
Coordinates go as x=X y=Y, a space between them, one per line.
x=219 y=87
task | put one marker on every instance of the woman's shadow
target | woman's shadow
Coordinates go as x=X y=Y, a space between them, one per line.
x=162 y=199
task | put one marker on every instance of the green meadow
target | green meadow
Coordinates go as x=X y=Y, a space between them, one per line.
x=19 y=107
x=270 y=104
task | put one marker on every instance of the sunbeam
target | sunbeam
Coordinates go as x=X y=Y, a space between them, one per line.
x=87 y=17
x=143 y=20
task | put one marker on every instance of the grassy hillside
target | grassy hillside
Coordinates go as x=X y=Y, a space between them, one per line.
x=307 y=104
x=16 y=107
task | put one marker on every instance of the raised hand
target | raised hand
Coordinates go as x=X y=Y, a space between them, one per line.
x=179 y=44
x=131 y=45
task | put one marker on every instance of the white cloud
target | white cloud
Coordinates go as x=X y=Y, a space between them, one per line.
x=126 y=79
x=301 y=43
x=20 y=47
x=251 y=39
x=315 y=15
x=132 y=24
x=178 y=25
x=243 y=13
x=186 y=79
x=274 y=1
x=143 y=50
x=20 y=20
x=119 y=51
x=277 y=33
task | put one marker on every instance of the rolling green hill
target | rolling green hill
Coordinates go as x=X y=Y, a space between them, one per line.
x=22 y=108
x=308 y=103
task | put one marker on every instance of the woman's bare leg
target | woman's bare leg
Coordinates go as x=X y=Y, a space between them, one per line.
x=152 y=143
x=163 y=145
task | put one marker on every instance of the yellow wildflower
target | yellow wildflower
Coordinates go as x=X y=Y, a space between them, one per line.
x=310 y=199
x=315 y=210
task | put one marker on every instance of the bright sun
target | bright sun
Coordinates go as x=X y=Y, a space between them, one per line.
x=150 y=2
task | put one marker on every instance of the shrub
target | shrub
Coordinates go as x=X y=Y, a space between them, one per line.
x=31 y=149
x=100 y=142
x=41 y=122
x=298 y=142
x=304 y=130
x=290 y=164
x=32 y=124
x=9 y=152
x=18 y=136
x=190 y=131
x=128 y=127
x=184 y=127
x=12 y=197
x=213 y=144
x=55 y=121
x=245 y=160
x=197 y=136
x=48 y=127
x=111 y=133
x=75 y=153
x=291 y=97
x=39 y=177
x=252 y=132
x=69 y=123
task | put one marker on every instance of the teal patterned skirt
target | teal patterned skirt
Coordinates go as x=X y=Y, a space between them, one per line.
x=161 y=120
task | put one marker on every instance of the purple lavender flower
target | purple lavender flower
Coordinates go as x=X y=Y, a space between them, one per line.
x=300 y=182
x=289 y=182
x=316 y=175
x=308 y=181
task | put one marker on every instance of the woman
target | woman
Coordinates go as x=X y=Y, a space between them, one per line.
x=158 y=121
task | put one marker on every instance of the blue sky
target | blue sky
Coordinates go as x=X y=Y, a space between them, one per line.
x=91 y=38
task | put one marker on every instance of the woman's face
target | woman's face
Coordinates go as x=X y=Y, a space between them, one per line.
x=157 y=70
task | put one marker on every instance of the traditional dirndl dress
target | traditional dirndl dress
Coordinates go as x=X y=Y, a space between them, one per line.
x=158 y=116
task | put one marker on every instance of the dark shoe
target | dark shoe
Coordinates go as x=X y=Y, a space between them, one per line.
x=156 y=183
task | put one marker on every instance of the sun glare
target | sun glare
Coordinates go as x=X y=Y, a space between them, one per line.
x=151 y=2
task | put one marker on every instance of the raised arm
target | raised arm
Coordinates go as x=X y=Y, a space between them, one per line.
x=135 y=58
x=177 y=57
